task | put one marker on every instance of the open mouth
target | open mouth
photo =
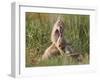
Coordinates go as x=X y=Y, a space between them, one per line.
x=57 y=33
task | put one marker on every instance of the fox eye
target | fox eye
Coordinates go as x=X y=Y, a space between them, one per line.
x=59 y=45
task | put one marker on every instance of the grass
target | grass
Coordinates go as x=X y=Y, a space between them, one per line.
x=38 y=31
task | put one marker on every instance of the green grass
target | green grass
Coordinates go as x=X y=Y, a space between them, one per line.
x=38 y=31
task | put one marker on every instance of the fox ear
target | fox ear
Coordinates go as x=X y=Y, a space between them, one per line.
x=59 y=18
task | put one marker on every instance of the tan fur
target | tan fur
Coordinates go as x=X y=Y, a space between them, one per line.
x=54 y=36
x=53 y=49
x=50 y=51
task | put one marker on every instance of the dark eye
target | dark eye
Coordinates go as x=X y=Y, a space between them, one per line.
x=59 y=45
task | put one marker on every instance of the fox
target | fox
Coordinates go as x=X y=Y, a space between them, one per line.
x=52 y=49
x=59 y=45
